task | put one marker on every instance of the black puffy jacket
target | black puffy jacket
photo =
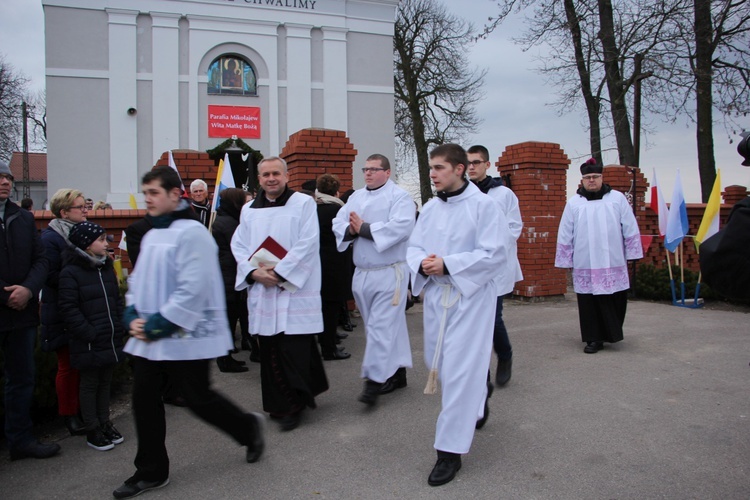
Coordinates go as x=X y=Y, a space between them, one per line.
x=90 y=305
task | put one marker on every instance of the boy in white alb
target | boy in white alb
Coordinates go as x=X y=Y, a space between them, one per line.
x=458 y=244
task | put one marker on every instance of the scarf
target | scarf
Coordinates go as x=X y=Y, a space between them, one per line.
x=62 y=227
x=323 y=198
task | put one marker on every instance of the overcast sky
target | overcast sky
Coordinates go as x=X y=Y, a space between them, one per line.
x=515 y=108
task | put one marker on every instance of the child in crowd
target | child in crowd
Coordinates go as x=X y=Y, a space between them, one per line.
x=90 y=304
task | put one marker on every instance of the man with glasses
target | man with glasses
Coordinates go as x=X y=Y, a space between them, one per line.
x=378 y=221
x=478 y=164
x=23 y=269
x=597 y=237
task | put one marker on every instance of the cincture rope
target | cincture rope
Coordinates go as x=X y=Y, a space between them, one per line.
x=447 y=303
x=399 y=278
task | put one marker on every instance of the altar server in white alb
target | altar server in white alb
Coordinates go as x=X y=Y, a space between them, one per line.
x=177 y=321
x=378 y=221
x=598 y=235
x=283 y=297
x=458 y=245
x=479 y=162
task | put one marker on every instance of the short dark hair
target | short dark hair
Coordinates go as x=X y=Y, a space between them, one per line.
x=27 y=203
x=480 y=150
x=328 y=184
x=167 y=176
x=384 y=163
x=453 y=154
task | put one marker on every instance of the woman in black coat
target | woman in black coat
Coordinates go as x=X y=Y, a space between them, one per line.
x=227 y=219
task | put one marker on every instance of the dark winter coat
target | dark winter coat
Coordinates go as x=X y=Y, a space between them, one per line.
x=22 y=262
x=134 y=233
x=335 y=266
x=53 y=333
x=223 y=229
x=90 y=305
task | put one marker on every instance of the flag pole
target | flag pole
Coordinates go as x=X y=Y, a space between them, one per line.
x=682 y=273
x=671 y=278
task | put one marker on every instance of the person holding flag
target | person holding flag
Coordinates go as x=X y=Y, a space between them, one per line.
x=598 y=234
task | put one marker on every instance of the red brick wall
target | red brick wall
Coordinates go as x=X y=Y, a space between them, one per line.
x=312 y=152
x=193 y=165
x=537 y=173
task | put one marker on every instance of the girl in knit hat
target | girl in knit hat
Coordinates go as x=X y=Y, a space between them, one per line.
x=90 y=305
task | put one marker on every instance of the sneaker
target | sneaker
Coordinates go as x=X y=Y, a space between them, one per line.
x=98 y=441
x=110 y=432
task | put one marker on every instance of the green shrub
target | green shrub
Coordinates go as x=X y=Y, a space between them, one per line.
x=653 y=283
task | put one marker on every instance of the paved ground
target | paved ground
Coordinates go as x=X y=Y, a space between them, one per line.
x=664 y=414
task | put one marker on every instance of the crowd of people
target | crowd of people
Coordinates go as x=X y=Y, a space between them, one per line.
x=279 y=267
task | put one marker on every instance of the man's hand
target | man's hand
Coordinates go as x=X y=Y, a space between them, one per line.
x=266 y=276
x=136 y=329
x=19 y=297
x=355 y=223
x=432 y=265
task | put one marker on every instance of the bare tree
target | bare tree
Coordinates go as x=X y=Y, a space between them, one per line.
x=38 y=117
x=435 y=89
x=12 y=93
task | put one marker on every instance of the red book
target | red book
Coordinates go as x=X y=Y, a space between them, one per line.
x=273 y=246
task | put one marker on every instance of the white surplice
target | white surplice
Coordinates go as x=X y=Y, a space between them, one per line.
x=178 y=275
x=381 y=277
x=597 y=238
x=467 y=233
x=508 y=202
x=294 y=226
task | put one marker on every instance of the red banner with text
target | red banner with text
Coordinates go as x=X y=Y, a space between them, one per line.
x=226 y=121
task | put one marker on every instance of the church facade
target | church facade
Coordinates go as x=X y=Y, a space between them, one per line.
x=129 y=79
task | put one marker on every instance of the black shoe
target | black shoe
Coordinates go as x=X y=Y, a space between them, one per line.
x=341 y=336
x=133 y=487
x=370 y=393
x=290 y=422
x=593 y=347
x=339 y=353
x=257 y=439
x=34 y=449
x=483 y=420
x=174 y=401
x=98 y=441
x=347 y=327
x=502 y=376
x=75 y=425
x=445 y=468
x=254 y=355
x=395 y=381
x=227 y=364
x=110 y=432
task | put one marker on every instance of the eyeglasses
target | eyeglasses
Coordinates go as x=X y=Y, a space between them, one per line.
x=476 y=163
x=372 y=170
x=82 y=208
x=6 y=176
x=591 y=177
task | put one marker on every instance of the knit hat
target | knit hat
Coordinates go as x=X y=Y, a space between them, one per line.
x=5 y=169
x=83 y=234
x=591 y=167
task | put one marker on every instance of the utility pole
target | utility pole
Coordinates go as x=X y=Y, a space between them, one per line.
x=26 y=180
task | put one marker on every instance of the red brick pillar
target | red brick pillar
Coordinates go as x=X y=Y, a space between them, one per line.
x=193 y=165
x=734 y=194
x=537 y=172
x=312 y=152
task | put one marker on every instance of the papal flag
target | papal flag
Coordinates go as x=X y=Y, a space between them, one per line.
x=710 y=223
x=224 y=180
x=123 y=245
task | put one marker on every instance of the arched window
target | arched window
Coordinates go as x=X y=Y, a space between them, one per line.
x=231 y=75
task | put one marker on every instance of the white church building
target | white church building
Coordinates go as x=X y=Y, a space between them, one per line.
x=130 y=79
